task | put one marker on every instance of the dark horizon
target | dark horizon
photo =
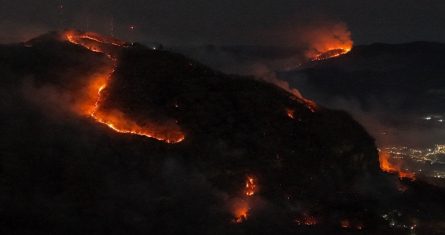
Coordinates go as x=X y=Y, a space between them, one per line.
x=226 y=23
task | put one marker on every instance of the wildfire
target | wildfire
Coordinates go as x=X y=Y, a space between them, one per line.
x=290 y=113
x=250 y=187
x=87 y=39
x=242 y=205
x=327 y=41
x=240 y=210
x=117 y=121
x=389 y=167
x=114 y=119
x=307 y=220
x=331 y=53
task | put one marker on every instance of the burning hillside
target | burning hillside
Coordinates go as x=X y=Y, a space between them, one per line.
x=379 y=85
x=394 y=168
x=115 y=119
x=256 y=159
x=327 y=41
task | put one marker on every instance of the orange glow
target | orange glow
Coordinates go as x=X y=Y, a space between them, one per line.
x=331 y=53
x=241 y=206
x=307 y=220
x=327 y=40
x=117 y=121
x=250 y=187
x=88 y=38
x=91 y=102
x=311 y=105
x=389 y=167
x=240 y=211
x=290 y=113
x=344 y=223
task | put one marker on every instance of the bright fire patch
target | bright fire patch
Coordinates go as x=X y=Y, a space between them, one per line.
x=332 y=53
x=91 y=105
x=290 y=113
x=242 y=205
x=389 y=167
x=250 y=186
x=328 y=40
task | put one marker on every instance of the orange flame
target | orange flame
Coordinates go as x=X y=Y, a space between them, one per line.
x=290 y=113
x=331 y=54
x=241 y=206
x=389 y=167
x=250 y=187
x=114 y=119
x=327 y=41
x=240 y=211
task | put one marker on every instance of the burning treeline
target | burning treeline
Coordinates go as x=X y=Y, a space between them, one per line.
x=93 y=94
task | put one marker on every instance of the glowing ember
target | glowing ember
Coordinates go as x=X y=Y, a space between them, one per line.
x=331 y=54
x=251 y=188
x=389 y=167
x=307 y=220
x=114 y=119
x=240 y=211
x=290 y=113
x=311 y=105
x=344 y=223
x=117 y=121
x=241 y=206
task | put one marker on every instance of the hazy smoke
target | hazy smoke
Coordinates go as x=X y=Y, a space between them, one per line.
x=295 y=46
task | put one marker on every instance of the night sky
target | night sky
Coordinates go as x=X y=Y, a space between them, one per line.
x=226 y=22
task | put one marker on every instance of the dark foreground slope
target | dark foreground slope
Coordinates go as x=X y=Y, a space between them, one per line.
x=64 y=173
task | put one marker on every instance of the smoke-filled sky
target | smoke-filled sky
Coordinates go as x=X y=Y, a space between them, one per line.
x=226 y=22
